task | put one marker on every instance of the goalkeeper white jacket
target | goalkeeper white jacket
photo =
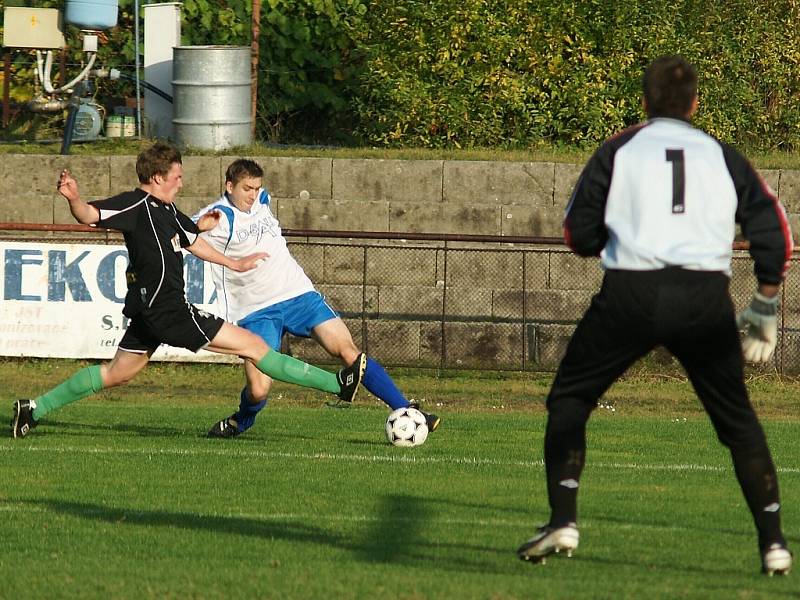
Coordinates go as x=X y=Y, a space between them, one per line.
x=664 y=193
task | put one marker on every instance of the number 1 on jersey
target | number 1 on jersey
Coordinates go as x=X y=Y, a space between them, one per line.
x=678 y=180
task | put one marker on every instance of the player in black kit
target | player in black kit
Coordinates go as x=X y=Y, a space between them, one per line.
x=659 y=203
x=155 y=233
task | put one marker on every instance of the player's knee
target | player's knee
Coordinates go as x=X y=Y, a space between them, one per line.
x=347 y=351
x=115 y=378
x=259 y=391
x=744 y=440
x=567 y=412
x=107 y=375
x=258 y=342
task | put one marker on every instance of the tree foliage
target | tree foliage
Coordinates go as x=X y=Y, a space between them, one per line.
x=501 y=73
x=512 y=72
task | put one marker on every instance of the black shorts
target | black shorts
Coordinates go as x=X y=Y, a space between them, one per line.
x=688 y=312
x=181 y=325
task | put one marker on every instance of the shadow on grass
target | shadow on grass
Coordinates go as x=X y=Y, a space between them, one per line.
x=398 y=535
x=395 y=533
x=747 y=535
x=73 y=428
x=382 y=443
x=78 y=429
x=234 y=525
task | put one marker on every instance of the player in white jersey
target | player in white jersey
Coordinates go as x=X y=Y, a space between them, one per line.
x=275 y=297
x=659 y=203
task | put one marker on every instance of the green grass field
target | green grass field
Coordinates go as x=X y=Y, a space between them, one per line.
x=121 y=496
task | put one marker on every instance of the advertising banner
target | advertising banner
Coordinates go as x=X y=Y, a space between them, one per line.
x=65 y=301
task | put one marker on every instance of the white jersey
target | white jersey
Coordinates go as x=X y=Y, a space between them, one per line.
x=664 y=194
x=688 y=219
x=240 y=234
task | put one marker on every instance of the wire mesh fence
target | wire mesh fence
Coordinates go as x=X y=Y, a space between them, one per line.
x=482 y=307
x=458 y=303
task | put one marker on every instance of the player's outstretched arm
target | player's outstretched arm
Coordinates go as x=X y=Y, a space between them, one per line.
x=202 y=249
x=82 y=211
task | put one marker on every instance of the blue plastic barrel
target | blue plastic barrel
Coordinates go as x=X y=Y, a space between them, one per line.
x=91 y=14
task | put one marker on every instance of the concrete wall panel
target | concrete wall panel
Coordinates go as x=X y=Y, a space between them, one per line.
x=401 y=266
x=476 y=182
x=487 y=270
x=391 y=180
x=410 y=301
x=522 y=220
x=394 y=341
x=332 y=215
x=416 y=217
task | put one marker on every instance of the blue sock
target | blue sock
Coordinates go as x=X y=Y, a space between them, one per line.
x=246 y=415
x=377 y=381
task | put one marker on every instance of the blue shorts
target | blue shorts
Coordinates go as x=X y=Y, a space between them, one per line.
x=297 y=315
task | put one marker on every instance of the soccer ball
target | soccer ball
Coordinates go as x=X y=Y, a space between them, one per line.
x=406 y=427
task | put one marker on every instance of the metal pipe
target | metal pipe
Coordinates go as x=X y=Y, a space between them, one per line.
x=361 y=235
x=6 y=89
x=72 y=113
x=62 y=67
x=138 y=90
x=43 y=104
x=254 y=51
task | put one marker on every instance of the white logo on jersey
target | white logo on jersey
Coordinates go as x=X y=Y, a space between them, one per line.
x=267 y=224
x=176 y=243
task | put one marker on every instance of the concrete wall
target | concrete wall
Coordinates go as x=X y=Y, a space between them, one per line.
x=435 y=196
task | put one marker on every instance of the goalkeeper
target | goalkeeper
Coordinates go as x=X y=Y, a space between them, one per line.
x=659 y=202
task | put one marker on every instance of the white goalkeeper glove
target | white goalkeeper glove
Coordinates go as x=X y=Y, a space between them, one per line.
x=760 y=324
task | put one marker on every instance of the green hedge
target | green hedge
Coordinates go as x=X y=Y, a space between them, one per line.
x=512 y=73
x=501 y=73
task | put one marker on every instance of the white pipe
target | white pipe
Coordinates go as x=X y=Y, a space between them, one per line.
x=48 y=87
x=48 y=66
x=83 y=74
x=39 y=67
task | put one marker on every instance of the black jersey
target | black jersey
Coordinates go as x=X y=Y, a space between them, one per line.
x=665 y=194
x=154 y=234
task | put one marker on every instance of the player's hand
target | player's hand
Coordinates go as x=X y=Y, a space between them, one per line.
x=760 y=324
x=209 y=220
x=250 y=262
x=67 y=186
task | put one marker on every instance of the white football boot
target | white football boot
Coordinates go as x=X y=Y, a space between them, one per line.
x=548 y=540
x=776 y=560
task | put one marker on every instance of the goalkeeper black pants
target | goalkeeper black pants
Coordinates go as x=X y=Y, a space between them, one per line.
x=691 y=314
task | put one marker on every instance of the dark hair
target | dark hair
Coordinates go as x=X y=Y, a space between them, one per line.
x=670 y=86
x=241 y=168
x=156 y=160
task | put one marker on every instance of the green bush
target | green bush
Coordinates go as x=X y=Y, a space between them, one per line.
x=511 y=73
x=497 y=73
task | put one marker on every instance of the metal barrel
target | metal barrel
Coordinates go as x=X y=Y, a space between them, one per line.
x=211 y=96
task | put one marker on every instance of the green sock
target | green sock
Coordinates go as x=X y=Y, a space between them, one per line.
x=81 y=384
x=285 y=368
